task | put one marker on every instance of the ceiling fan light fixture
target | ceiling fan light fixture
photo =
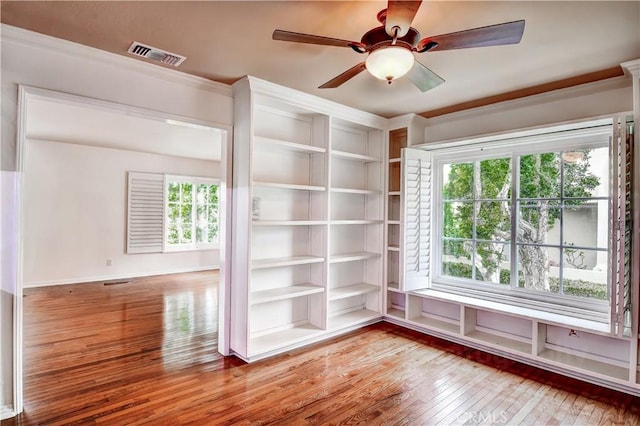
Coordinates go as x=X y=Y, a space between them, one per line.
x=389 y=63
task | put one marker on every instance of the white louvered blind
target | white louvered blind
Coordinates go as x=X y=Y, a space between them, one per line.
x=416 y=220
x=621 y=297
x=145 y=227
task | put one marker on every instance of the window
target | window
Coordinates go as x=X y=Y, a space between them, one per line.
x=558 y=202
x=191 y=213
x=528 y=220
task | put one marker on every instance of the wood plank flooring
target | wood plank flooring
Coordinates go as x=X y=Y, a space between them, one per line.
x=145 y=353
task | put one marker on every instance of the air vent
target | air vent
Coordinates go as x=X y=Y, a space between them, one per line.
x=155 y=54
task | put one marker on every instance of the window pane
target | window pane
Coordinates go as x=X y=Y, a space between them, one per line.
x=583 y=259
x=456 y=259
x=185 y=212
x=492 y=263
x=539 y=222
x=585 y=273
x=458 y=181
x=586 y=223
x=173 y=191
x=200 y=235
x=201 y=213
x=212 y=233
x=539 y=175
x=173 y=213
x=458 y=219
x=538 y=268
x=586 y=173
x=201 y=195
x=495 y=179
x=186 y=192
x=213 y=194
x=186 y=236
x=494 y=221
x=172 y=235
x=212 y=215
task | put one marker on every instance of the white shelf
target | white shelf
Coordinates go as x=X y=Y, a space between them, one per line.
x=355 y=222
x=289 y=186
x=395 y=312
x=394 y=193
x=285 y=261
x=393 y=248
x=393 y=222
x=355 y=157
x=352 y=290
x=500 y=341
x=283 y=293
x=437 y=324
x=272 y=341
x=593 y=366
x=393 y=286
x=352 y=318
x=291 y=146
x=288 y=222
x=394 y=160
x=352 y=257
x=356 y=191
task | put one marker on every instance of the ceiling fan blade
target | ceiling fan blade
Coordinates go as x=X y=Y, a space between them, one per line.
x=344 y=77
x=423 y=77
x=492 y=35
x=400 y=14
x=313 y=39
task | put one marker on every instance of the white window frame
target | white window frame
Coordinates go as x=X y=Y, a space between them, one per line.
x=597 y=135
x=169 y=248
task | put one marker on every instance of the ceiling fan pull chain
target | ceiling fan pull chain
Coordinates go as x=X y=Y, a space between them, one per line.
x=395 y=35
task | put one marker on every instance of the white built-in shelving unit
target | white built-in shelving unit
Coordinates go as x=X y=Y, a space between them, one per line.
x=308 y=219
x=396 y=300
x=319 y=229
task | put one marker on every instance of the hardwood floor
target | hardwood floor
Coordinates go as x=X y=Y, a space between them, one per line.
x=145 y=353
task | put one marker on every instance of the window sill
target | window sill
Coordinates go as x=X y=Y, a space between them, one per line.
x=185 y=249
x=520 y=311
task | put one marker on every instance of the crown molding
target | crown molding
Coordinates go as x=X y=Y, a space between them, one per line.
x=631 y=67
x=311 y=102
x=33 y=39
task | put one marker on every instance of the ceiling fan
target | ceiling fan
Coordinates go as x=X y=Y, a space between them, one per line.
x=390 y=47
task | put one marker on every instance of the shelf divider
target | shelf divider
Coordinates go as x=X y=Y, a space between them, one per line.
x=292 y=146
x=351 y=290
x=288 y=186
x=352 y=257
x=355 y=157
x=283 y=293
x=285 y=261
x=288 y=222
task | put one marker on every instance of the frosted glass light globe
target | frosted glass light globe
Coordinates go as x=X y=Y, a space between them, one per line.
x=389 y=63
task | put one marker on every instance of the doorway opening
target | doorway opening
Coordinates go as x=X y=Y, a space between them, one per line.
x=76 y=158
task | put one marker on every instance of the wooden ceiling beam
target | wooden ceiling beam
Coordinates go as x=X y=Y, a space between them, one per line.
x=528 y=91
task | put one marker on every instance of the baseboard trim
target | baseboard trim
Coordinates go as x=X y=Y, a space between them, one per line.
x=116 y=276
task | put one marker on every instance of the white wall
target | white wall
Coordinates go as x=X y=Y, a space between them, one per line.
x=75 y=214
x=577 y=103
x=33 y=59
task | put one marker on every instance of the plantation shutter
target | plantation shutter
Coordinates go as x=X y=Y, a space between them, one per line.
x=621 y=297
x=145 y=208
x=416 y=219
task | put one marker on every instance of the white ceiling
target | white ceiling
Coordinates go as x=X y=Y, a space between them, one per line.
x=84 y=125
x=225 y=40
